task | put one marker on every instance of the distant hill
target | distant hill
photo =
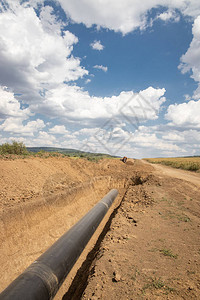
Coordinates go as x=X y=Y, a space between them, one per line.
x=52 y=149
x=70 y=152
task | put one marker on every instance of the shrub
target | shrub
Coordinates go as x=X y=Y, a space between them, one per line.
x=14 y=148
x=41 y=153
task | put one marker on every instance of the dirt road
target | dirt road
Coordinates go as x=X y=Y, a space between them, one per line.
x=192 y=177
x=150 y=248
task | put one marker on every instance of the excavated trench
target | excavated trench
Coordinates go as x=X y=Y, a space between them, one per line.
x=80 y=281
x=28 y=230
x=86 y=270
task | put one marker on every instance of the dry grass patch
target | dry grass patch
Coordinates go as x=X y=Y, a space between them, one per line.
x=185 y=163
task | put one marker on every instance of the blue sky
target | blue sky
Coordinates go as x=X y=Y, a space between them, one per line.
x=102 y=76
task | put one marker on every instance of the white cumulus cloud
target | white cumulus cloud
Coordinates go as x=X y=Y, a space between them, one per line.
x=191 y=59
x=186 y=115
x=72 y=104
x=16 y=126
x=100 y=67
x=87 y=81
x=123 y=15
x=44 y=139
x=58 y=129
x=169 y=15
x=10 y=106
x=96 y=45
x=34 y=56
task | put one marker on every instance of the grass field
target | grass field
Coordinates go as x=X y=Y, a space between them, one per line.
x=185 y=163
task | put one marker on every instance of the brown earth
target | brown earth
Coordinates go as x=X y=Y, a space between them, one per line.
x=40 y=199
x=149 y=248
x=152 y=249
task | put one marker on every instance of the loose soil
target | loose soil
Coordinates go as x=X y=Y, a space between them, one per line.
x=149 y=247
x=152 y=250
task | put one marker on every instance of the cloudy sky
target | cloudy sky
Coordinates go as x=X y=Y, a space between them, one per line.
x=119 y=77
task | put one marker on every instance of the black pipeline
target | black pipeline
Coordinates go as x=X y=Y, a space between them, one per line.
x=42 y=279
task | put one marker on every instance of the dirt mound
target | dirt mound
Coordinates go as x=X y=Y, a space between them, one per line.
x=129 y=163
x=25 y=180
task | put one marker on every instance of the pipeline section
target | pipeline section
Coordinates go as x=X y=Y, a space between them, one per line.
x=42 y=279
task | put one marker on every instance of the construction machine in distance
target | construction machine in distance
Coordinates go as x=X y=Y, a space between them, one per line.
x=124 y=159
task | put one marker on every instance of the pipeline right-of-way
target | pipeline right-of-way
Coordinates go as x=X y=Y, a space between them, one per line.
x=42 y=279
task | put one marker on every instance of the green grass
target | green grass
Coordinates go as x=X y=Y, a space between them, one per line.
x=168 y=252
x=168 y=201
x=184 y=218
x=157 y=284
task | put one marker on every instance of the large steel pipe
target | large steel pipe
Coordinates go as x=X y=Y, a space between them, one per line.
x=42 y=279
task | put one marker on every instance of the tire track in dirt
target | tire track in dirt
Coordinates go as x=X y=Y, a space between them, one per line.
x=189 y=176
